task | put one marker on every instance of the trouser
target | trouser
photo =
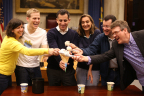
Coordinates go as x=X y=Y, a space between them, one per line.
x=143 y=89
x=5 y=81
x=81 y=75
x=60 y=77
x=25 y=75
x=113 y=76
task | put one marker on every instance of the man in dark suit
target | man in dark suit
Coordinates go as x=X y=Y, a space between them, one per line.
x=128 y=49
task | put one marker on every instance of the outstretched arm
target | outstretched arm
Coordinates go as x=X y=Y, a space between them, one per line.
x=80 y=58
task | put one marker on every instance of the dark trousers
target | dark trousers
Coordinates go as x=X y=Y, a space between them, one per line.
x=113 y=76
x=60 y=77
x=143 y=89
x=25 y=75
x=5 y=81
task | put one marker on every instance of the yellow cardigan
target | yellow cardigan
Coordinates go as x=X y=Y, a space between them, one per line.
x=10 y=49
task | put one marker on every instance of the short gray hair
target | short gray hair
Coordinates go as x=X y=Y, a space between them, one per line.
x=120 y=23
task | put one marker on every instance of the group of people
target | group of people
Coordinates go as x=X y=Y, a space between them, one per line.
x=120 y=56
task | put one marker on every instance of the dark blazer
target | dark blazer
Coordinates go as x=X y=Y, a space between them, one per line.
x=127 y=73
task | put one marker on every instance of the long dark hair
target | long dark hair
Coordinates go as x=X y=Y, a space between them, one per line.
x=13 y=23
x=80 y=30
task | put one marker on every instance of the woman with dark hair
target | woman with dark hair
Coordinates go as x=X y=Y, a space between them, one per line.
x=88 y=75
x=10 y=49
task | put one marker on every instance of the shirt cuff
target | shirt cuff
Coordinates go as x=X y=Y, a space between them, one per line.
x=89 y=60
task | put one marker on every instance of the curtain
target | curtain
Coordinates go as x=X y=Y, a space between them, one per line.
x=95 y=9
x=8 y=11
x=1 y=21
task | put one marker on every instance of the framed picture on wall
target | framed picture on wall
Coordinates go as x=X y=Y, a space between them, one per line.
x=50 y=6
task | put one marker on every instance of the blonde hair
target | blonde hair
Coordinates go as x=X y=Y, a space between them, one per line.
x=80 y=30
x=30 y=11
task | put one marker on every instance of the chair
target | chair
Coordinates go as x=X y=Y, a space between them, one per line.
x=51 y=21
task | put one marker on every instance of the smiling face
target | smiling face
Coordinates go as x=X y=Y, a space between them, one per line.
x=122 y=36
x=106 y=27
x=86 y=23
x=63 y=21
x=34 y=20
x=18 y=31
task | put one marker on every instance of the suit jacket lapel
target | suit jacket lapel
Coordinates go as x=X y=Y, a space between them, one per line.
x=121 y=49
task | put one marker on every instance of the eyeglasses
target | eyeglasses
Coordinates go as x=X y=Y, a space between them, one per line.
x=116 y=32
x=106 y=26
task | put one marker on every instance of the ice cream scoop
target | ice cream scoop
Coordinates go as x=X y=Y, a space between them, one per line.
x=65 y=52
x=69 y=48
x=67 y=43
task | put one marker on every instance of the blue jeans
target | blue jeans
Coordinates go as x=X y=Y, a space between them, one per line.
x=113 y=76
x=81 y=75
x=25 y=75
x=5 y=81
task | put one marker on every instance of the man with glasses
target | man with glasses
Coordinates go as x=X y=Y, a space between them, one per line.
x=56 y=39
x=128 y=49
x=102 y=43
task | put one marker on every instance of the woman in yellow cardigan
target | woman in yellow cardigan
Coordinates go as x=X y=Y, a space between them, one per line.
x=10 y=49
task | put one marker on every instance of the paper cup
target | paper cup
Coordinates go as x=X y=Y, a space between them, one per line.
x=24 y=87
x=110 y=86
x=81 y=88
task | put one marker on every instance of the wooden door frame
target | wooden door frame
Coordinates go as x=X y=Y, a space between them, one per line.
x=125 y=10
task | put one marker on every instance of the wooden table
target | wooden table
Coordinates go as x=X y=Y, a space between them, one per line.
x=72 y=91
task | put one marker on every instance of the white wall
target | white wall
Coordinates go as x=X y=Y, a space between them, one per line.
x=114 y=7
x=73 y=23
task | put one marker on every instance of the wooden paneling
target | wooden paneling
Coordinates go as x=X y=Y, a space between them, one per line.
x=47 y=30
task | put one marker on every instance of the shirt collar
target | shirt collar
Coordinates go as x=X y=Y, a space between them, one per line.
x=87 y=37
x=110 y=39
x=130 y=40
x=61 y=30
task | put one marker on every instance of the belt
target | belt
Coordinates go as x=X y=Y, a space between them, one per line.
x=114 y=69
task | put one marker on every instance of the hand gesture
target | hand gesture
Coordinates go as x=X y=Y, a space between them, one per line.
x=56 y=51
x=77 y=51
x=90 y=75
x=80 y=58
x=73 y=46
x=53 y=51
x=62 y=65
